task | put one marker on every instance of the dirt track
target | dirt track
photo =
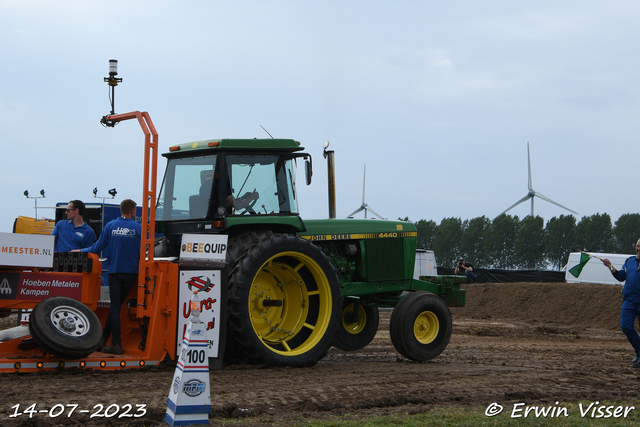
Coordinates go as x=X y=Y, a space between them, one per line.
x=513 y=343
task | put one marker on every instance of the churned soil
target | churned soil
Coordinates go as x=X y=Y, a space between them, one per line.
x=532 y=343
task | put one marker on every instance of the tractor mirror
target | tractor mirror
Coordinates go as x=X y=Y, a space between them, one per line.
x=308 y=171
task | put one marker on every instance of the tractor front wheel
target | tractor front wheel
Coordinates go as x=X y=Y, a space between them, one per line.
x=420 y=326
x=357 y=328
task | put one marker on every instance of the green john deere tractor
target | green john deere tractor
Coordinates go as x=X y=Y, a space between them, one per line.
x=297 y=287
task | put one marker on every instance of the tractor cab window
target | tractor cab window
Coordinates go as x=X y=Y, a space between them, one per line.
x=261 y=184
x=187 y=189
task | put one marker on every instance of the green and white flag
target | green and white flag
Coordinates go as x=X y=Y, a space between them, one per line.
x=577 y=269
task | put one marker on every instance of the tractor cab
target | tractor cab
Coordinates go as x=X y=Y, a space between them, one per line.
x=208 y=184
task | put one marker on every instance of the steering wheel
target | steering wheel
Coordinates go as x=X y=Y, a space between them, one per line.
x=249 y=207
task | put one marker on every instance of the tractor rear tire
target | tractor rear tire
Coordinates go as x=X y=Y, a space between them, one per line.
x=284 y=300
x=65 y=327
x=420 y=326
x=352 y=336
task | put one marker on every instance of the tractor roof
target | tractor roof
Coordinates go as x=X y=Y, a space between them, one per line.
x=264 y=144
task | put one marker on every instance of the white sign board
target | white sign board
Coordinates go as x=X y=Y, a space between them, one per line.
x=204 y=247
x=202 y=250
x=208 y=283
x=26 y=250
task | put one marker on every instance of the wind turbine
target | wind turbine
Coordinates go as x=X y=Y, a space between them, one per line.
x=364 y=207
x=532 y=193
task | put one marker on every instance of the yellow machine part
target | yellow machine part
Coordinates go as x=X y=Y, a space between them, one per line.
x=27 y=225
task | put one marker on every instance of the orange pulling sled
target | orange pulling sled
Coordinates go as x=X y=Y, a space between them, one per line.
x=67 y=318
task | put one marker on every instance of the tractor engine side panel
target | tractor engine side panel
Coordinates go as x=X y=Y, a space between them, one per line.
x=371 y=257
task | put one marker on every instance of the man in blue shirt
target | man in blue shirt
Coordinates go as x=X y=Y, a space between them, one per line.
x=121 y=238
x=630 y=299
x=73 y=233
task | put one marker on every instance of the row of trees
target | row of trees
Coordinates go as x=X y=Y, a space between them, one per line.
x=510 y=243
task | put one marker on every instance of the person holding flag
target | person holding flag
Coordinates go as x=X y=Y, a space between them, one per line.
x=630 y=309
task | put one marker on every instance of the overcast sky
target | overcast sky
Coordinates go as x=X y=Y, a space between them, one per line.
x=438 y=99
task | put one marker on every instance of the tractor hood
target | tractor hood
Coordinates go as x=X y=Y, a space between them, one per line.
x=347 y=229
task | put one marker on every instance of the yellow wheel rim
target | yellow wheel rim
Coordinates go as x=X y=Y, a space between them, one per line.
x=298 y=324
x=426 y=327
x=355 y=327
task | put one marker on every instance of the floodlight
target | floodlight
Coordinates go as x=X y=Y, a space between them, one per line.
x=113 y=67
x=113 y=81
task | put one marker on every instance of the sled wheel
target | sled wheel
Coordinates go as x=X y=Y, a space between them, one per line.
x=284 y=301
x=420 y=326
x=356 y=332
x=65 y=327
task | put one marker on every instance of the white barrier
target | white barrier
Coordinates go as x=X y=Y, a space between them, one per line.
x=189 y=399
